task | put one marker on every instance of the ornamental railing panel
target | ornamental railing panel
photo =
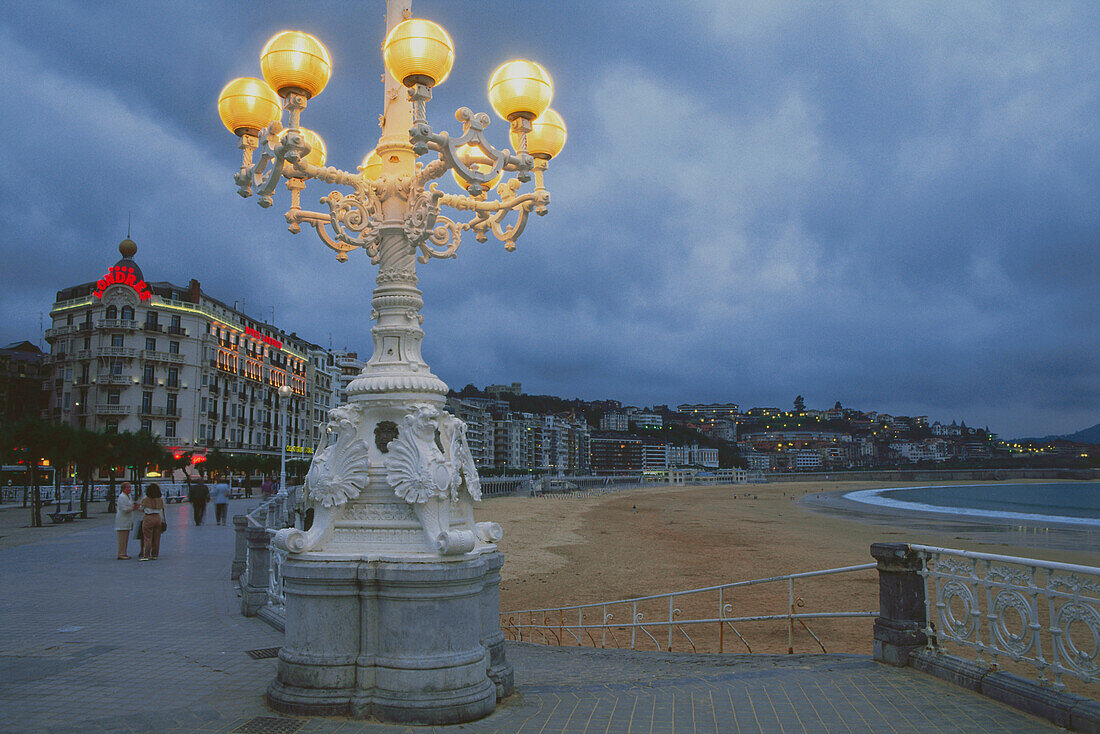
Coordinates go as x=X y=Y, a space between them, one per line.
x=1035 y=613
x=706 y=619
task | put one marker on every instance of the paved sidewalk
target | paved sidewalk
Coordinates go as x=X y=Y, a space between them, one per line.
x=91 y=644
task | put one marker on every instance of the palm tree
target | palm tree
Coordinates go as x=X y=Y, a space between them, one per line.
x=59 y=449
x=88 y=452
x=111 y=457
x=28 y=440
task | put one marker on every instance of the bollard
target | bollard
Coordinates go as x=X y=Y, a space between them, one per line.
x=899 y=628
x=240 y=551
x=255 y=580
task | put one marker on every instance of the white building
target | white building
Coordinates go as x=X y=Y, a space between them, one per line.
x=130 y=355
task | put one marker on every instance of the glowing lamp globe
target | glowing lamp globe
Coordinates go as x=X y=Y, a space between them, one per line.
x=418 y=51
x=520 y=89
x=296 y=61
x=476 y=161
x=371 y=166
x=317 y=152
x=547 y=136
x=248 y=105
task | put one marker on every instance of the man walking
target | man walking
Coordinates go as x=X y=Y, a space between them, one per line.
x=198 y=494
x=220 y=496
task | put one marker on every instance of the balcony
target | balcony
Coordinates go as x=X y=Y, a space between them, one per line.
x=152 y=326
x=84 y=326
x=55 y=358
x=112 y=409
x=177 y=330
x=159 y=411
x=128 y=352
x=106 y=378
x=214 y=389
x=128 y=324
x=152 y=356
x=59 y=331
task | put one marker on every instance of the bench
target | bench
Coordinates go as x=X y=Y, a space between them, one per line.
x=64 y=516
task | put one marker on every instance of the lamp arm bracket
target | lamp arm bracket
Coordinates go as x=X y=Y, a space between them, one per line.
x=356 y=219
x=320 y=222
x=442 y=241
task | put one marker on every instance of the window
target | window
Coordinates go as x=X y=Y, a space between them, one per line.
x=234 y=410
x=65 y=401
x=112 y=312
x=147 y=375
x=112 y=427
x=113 y=397
x=147 y=402
x=147 y=426
x=69 y=320
x=173 y=377
x=170 y=429
x=116 y=367
x=175 y=321
x=150 y=318
x=87 y=342
x=171 y=407
x=205 y=380
x=202 y=405
x=117 y=340
x=202 y=431
x=150 y=344
x=173 y=347
x=127 y=313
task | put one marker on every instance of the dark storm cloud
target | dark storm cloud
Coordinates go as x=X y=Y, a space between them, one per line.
x=889 y=204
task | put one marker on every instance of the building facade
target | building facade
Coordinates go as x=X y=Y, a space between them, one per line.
x=129 y=355
x=22 y=381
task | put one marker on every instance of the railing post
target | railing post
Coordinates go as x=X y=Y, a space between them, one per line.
x=899 y=628
x=255 y=582
x=240 y=552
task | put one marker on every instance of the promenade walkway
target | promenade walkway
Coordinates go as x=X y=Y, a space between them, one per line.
x=91 y=644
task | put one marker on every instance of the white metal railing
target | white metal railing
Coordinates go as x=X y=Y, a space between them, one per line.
x=569 y=626
x=1038 y=612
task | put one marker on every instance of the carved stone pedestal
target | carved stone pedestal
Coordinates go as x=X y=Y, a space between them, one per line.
x=415 y=642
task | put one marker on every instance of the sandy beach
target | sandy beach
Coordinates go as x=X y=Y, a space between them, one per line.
x=574 y=550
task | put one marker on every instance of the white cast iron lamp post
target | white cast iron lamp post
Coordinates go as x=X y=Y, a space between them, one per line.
x=392 y=594
x=284 y=394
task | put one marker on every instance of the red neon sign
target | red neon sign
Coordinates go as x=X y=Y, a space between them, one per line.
x=249 y=331
x=121 y=275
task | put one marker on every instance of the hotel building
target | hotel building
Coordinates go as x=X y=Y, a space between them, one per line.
x=126 y=354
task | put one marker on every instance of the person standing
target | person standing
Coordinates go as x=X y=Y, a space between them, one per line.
x=198 y=494
x=220 y=496
x=124 y=519
x=153 y=522
x=266 y=488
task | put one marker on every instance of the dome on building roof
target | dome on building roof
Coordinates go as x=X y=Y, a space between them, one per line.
x=127 y=247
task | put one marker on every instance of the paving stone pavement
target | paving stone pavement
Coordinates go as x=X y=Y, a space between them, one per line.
x=91 y=644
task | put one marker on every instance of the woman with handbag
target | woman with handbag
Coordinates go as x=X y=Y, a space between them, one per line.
x=153 y=523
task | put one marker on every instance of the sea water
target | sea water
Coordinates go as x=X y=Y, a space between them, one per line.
x=1070 y=503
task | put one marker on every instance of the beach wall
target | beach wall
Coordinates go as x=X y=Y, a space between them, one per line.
x=932 y=475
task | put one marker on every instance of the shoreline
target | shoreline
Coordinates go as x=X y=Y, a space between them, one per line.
x=1027 y=532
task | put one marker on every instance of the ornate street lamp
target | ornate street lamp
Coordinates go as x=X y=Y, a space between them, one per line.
x=392 y=595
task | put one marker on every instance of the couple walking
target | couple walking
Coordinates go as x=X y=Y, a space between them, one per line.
x=150 y=510
x=199 y=494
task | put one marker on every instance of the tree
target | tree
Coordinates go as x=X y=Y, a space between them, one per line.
x=799 y=404
x=88 y=450
x=111 y=457
x=26 y=440
x=59 y=449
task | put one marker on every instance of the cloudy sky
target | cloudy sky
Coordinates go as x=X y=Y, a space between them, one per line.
x=890 y=204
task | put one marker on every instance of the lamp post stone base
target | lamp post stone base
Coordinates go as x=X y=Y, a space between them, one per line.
x=401 y=639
